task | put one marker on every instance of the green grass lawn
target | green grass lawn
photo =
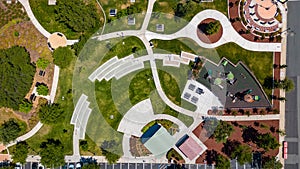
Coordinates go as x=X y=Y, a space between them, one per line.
x=171 y=46
x=260 y=63
x=120 y=22
x=106 y=103
x=61 y=130
x=168 y=6
x=142 y=87
x=171 y=22
x=125 y=47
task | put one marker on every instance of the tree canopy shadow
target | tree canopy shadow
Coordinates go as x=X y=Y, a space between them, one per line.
x=211 y=156
x=230 y=146
x=250 y=134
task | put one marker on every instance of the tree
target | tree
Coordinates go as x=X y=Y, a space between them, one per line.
x=80 y=44
x=77 y=15
x=20 y=152
x=84 y=145
x=223 y=131
x=42 y=63
x=243 y=154
x=272 y=163
x=286 y=84
x=110 y=156
x=42 y=89
x=52 y=153
x=16 y=74
x=210 y=124
x=180 y=10
x=222 y=162
x=10 y=130
x=25 y=106
x=107 y=148
x=267 y=141
x=50 y=114
x=212 y=27
x=62 y=56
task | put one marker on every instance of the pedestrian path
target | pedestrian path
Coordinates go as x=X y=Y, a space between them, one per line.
x=33 y=19
x=229 y=34
x=39 y=27
x=54 y=83
x=141 y=114
x=26 y=136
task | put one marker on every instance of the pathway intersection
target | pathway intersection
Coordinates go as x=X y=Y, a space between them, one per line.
x=229 y=35
x=189 y=31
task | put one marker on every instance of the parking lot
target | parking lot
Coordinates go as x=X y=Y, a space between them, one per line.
x=30 y=165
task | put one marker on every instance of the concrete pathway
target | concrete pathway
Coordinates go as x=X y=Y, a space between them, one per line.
x=54 y=83
x=141 y=114
x=229 y=34
x=148 y=15
x=35 y=22
x=26 y=136
x=134 y=120
x=39 y=27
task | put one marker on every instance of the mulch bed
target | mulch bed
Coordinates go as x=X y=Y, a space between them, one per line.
x=208 y=38
x=137 y=149
x=276 y=92
x=245 y=111
x=237 y=136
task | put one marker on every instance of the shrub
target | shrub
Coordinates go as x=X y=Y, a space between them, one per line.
x=10 y=130
x=16 y=33
x=212 y=27
x=42 y=90
x=50 y=114
x=62 y=56
x=25 y=106
x=42 y=63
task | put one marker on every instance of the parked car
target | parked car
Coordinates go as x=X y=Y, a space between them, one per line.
x=41 y=166
x=285 y=150
x=71 y=166
x=34 y=166
x=18 y=166
x=78 y=166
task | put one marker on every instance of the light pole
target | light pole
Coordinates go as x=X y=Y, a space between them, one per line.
x=289 y=32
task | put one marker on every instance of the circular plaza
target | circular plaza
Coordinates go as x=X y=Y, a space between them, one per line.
x=56 y=40
x=261 y=15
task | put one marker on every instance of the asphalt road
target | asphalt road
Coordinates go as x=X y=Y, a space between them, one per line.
x=292 y=114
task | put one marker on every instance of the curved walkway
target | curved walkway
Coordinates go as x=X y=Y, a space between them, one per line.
x=39 y=27
x=141 y=114
x=190 y=31
x=103 y=15
x=26 y=136
x=229 y=34
x=35 y=22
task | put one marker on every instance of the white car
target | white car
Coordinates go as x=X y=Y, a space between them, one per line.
x=18 y=166
x=71 y=166
x=40 y=166
x=78 y=166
